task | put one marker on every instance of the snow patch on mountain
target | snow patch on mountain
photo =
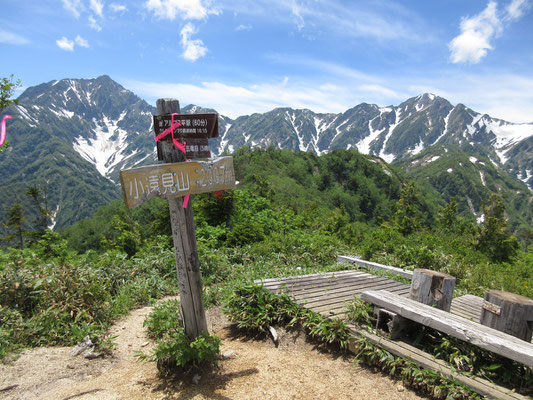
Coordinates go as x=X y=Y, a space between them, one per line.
x=501 y=156
x=223 y=140
x=528 y=176
x=62 y=113
x=418 y=148
x=482 y=176
x=364 y=145
x=26 y=114
x=106 y=148
x=301 y=144
x=507 y=133
x=53 y=220
x=386 y=156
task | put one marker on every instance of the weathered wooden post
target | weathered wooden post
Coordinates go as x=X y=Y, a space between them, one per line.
x=174 y=180
x=184 y=237
x=432 y=288
x=509 y=313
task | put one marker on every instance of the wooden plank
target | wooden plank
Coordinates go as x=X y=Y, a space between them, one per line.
x=453 y=325
x=427 y=361
x=299 y=277
x=320 y=286
x=309 y=279
x=465 y=312
x=346 y=284
x=317 y=283
x=375 y=266
x=176 y=179
x=327 y=296
x=341 y=305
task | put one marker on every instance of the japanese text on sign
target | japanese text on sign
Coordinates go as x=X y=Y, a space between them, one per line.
x=176 y=180
x=191 y=125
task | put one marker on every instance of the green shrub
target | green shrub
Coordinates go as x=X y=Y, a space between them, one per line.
x=174 y=349
x=164 y=318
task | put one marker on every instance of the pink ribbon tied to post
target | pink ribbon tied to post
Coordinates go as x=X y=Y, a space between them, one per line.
x=3 y=129
x=180 y=146
x=173 y=126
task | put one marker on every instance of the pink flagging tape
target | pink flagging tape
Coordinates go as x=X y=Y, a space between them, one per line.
x=180 y=146
x=3 y=129
x=186 y=200
x=167 y=131
x=173 y=126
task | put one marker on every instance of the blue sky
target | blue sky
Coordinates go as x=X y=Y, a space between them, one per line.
x=243 y=56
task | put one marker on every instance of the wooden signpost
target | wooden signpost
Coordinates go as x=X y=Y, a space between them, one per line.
x=174 y=180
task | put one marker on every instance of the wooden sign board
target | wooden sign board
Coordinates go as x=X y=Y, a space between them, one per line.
x=176 y=180
x=197 y=148
x=192 y=125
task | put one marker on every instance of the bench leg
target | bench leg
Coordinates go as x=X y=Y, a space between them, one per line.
x=392 y=324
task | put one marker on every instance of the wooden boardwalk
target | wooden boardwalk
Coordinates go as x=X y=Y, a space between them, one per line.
x=329 y=293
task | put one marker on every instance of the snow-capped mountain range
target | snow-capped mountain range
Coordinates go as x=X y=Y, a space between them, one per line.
x=96 y=124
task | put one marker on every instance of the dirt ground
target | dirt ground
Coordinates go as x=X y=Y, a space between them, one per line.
x=295 y=369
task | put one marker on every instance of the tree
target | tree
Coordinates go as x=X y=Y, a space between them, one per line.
x=39 y=196
x=7 y=88
x=494 y=239
x=15 y=219
x=406 y=217
x=447 y=216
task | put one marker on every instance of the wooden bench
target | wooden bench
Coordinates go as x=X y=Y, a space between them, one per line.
x=487 y=338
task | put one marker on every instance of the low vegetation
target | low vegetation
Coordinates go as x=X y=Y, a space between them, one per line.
x=292 y=214
x=175 y=351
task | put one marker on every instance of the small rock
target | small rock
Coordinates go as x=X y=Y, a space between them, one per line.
x=69 y=366
x=400 y=388
x=91 y=355
x=145 y=344
x=229 y=354
x=196 y=379
x=274 y=334
x=80 y=347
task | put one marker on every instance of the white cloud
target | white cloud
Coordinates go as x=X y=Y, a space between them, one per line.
x=118 y=7
x=516 y=9
x=74 y=6
x=65 y=44
x=81 y=41
x=193 y=49
x=295 y=9
x=186 y=9
x=337 y=88
x=385 y=21
x=243 y=27
x=12 y=38
x=94 y=24
x=478 y=31
x=374 y=90
x=97 y=6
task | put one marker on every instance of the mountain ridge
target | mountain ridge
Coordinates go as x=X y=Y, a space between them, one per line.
x=101 y=128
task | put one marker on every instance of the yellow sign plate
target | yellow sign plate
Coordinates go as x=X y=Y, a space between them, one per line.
x=176 y=180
